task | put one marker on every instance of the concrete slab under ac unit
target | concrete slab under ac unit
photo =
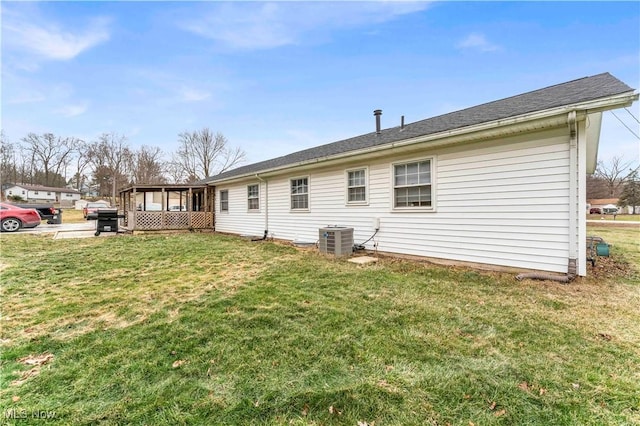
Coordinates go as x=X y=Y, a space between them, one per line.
x=363 y=260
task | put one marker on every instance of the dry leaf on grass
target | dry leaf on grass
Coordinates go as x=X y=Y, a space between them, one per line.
x=500 y=413
x=605 y=336
x=36 y=359
x=178 y=363
x=26 y=375
x=524 y=386
x=333 y=410
x=305 y=410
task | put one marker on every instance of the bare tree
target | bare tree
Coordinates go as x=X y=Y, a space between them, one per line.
x=50 y=154
x=175 y=172
x=614 y=174
x=110 y=155
x=147 y=165
x=82 y=161
x=8 y=164
x=203 y=154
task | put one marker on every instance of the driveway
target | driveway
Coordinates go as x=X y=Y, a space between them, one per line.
x=64 y=230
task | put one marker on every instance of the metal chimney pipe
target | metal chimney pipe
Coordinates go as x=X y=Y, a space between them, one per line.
x=377 y=113
x=402 y=122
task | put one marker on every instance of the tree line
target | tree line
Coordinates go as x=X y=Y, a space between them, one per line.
x=109 y=162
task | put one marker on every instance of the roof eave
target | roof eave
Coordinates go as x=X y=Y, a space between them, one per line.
x=552 y=117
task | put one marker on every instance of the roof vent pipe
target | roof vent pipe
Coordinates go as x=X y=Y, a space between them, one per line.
x=377 y=113
x=402 y=122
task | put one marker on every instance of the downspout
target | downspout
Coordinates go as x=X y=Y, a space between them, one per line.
x=572 y=267
x=266 y=206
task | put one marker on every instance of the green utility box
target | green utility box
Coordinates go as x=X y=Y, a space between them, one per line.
x=602 y=249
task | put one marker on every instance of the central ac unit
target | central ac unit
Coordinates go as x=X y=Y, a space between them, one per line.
x=336 y=240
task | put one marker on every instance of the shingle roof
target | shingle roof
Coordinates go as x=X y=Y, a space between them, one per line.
x=572 y=92
x=47 y=188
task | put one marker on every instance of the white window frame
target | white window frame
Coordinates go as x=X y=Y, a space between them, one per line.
x=291 y=195
x=366 y=187
x=226 y=191
x=432 y=184
x=252 y=198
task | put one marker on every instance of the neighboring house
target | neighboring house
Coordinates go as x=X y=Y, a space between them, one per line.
x=502 y=183
x=604 y=204
x=43 y=194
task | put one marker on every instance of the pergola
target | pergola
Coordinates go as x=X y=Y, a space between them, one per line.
x=164 y=207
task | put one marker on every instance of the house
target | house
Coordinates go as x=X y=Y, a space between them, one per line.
x=43 y=194
x=500 y=184
x=605 y=205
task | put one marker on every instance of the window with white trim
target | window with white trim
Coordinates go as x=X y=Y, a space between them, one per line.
x=412 y=185
x=300 y=194
x=357 y=186
x=253 y=197
x=224 y=201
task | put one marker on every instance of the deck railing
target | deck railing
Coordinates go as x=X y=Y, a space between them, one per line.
x=148 y=221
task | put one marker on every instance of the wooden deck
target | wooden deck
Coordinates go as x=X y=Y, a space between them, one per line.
x=167 y=207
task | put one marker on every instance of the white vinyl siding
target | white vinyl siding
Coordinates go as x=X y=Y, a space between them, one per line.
x=499 y=202
x=239 y=219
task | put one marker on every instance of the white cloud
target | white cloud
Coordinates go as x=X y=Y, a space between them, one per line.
x=477 y=41
x=31 y=34
x=194 y=95
x=249 y=25
x=72 y=110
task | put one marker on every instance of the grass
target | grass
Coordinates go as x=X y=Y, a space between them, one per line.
x=210 y=329
x=618 y=217
x=72 y=216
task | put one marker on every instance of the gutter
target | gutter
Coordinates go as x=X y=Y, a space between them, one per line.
x=555 y=117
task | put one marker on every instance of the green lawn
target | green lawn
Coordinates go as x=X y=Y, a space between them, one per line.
x=215 y=330
x=618 y=217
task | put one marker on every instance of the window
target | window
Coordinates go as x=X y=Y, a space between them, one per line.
x=253 y=197
x=300 y=194
x=48 y=193
x=357 y=186
x=35 y=192
x=224 y=201
x=412 y=184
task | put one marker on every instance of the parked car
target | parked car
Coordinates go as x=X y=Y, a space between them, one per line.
x=595 y=210
x=12 y=218
x=93 y=208
x=46 y=211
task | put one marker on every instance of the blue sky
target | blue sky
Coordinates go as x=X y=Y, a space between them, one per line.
x=279 y=77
